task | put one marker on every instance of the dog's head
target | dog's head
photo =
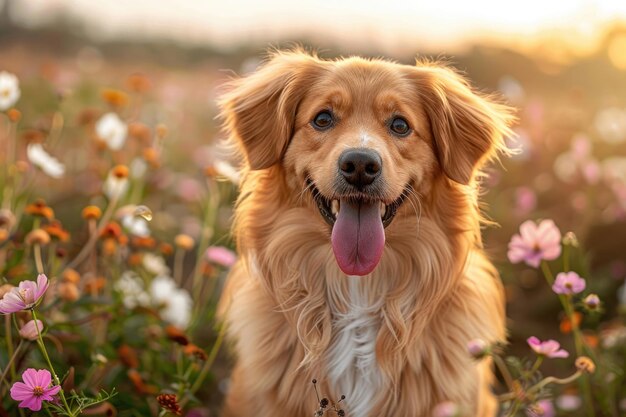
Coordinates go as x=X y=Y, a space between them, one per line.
x=362 y=136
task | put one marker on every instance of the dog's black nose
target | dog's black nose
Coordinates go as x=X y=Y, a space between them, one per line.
x=360 y=167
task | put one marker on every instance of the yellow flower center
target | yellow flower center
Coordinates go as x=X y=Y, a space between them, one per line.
x=5 y=93
x=569 y=285
x=38 y=391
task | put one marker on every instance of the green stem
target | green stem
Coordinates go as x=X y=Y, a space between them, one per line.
x=536 y=365
x=209 y=362
x=38 y=258
x=9 y=339
x=44 y=352
x=504 y=371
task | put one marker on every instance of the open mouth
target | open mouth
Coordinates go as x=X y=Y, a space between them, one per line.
x=358 y=222
x=329 y=209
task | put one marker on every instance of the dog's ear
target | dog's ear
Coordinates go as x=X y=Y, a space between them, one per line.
x=467 y=127
x=259 y=110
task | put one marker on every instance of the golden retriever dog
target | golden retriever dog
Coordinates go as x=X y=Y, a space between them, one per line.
x=358 y=228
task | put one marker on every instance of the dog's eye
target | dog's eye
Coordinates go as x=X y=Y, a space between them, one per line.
x=399 y=126
x=323 y=120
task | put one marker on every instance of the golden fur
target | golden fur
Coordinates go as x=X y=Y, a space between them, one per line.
x=434 y=287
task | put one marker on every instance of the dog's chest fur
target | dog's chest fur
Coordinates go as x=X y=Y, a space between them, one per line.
x=351 y=360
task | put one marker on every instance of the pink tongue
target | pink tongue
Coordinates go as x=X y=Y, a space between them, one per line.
x=358 y=237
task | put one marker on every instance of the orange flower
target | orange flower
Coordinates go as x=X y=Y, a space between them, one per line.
x=115 y=98
x=143 y=242
x=566 y=324
x=112 y=230
x=14 y=115
x=120 y=171
x=37 y=237
x=33 y=136
x=138 y=83
x=68 y=291
x=195 y=351
x=166 y=249
x=95 y=284
x=91 y=212
x=128 y=356
x=140 y=132
x=176 y=335
x=151 y=156
x=39 y=208
x=56 y=230
x=185 y=242
x=87 y=117
x=71 y=275
x=139 y=385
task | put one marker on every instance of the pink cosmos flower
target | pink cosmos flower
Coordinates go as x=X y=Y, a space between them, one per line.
x=542 y=408
x=221 y=256
x=25 y=296
x=535 y=242
x=549 y=348
x=35 y=389
x=568 y=283
x=477 y=348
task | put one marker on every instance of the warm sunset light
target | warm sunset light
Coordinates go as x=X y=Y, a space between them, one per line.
x=308 y=208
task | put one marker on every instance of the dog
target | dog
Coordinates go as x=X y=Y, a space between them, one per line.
x=358 y=228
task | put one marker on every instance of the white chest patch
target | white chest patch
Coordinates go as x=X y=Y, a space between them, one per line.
x=352 y=366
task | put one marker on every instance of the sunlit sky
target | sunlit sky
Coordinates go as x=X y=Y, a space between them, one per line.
x=393 y=25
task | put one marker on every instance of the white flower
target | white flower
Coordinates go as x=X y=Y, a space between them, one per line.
x=136 y=225
x=132 y=289
x=9 y=90
x=155 y=264
x=138 y=167
x=48 y=164
x=611 y=124
x=226 y=170
x=175 y=302
x=115 y=186
x=112 y=130
x=568 y=402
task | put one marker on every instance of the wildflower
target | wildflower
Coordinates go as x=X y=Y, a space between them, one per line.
x=35 y=389
x=525 y=200
x=568 y=402
x=115 y=98
x=155 y=264
x=176 y=335
x=116 y=183
x=130 y=286
x=68 y=291
x=9 y=90
x=139 y=384
x=14 y=115
x=128 y=356
x=166 y=249
x=535 y=242
x=169 y=402
x=42 y=159
x=175 y=302
x=585 y=365
x=71 y=275
x=91 y=212
x=571 y=239
x=135 y=225
x=24 y=296
x=568 y=283
x=566 y=324
x=138 y=83
x=112 y=130
x=477 y=348
x=446 y=409
x=195 y=351
x=151 y=156
x=31 y=331
x=140 y=132
x=549 y=348
x=592 y=301
x=55 y=229
x=185 y=242
x=542 y=408
x=221 y=256
x=227 y=171
x=37 y=237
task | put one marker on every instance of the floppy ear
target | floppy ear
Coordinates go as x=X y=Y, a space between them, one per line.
x=467 y=127
x=260 y=109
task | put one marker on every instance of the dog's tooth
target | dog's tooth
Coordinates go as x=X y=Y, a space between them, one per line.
x=334 y=207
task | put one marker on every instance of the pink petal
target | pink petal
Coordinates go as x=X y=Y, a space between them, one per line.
x=550 y=346
x=551 y=252
x=43 y=378
x=30 y=377
x=528 y=231
x=533 y=341
x=21 y=391
x=533 y=259
x=33 y=403
x=548 y=233
x=559 y=354
x=49 y=392
x=42 y=286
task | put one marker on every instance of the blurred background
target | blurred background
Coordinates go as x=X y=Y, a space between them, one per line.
x=562 y=64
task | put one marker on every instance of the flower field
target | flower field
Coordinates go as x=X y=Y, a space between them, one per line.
x=115 y=205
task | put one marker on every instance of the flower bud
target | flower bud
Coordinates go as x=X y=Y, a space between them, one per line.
x=37 y=237
x=184 y=242
x=478 y=348
x=70 y=275
x=571 y=239
x=92 y=212
x=592 y=302
x=585 y=365
x=29 y=331
x=446 y=409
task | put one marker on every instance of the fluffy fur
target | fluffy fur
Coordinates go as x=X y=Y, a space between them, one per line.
x=394 y=341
